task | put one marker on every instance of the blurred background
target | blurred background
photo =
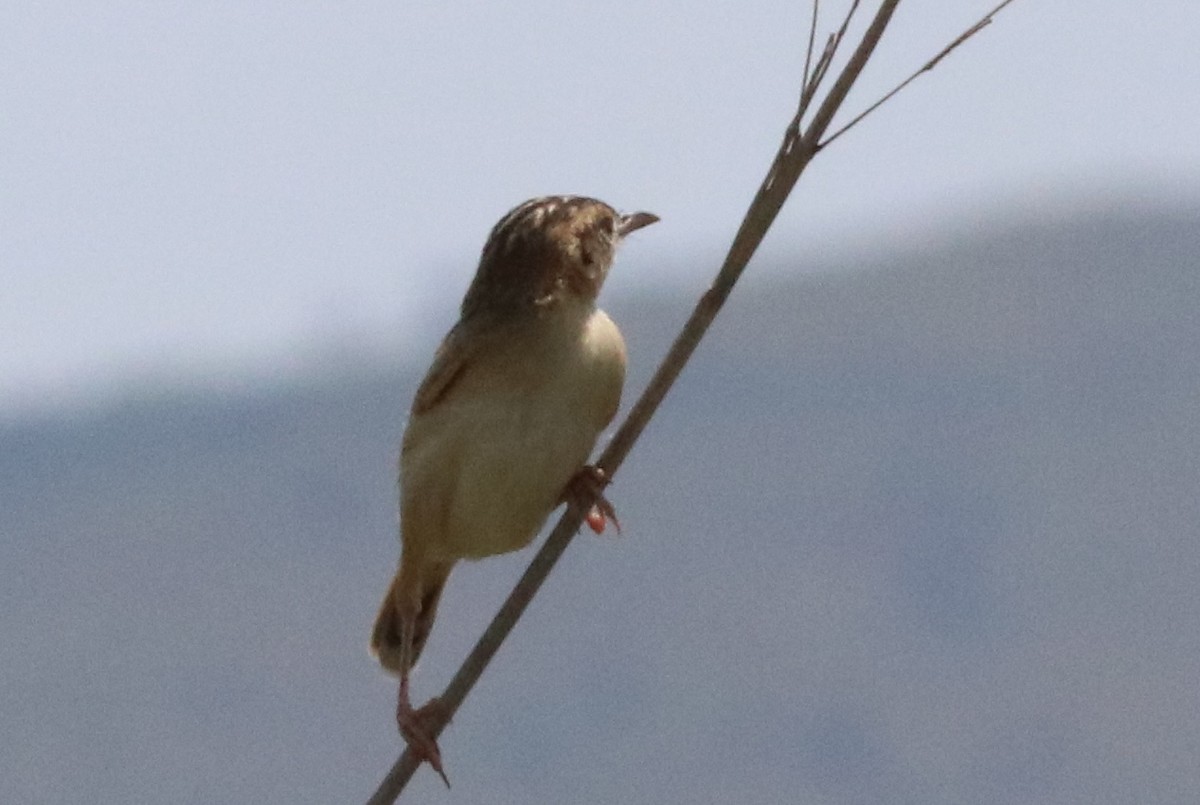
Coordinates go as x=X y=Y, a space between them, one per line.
x=918 y=525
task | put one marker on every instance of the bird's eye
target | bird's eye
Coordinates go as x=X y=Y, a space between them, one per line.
x=606 y=225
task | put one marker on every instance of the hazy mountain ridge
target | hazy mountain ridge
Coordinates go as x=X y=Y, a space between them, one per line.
x=923 y=532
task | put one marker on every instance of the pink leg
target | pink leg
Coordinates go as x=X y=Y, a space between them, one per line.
x=417 y=725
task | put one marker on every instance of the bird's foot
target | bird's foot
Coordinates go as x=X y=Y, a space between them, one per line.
x=585 y=493
x=417 y=726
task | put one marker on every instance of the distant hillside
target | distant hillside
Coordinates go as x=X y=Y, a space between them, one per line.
x=924 y=532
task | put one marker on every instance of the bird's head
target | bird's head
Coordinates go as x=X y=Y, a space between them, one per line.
x=547 y=250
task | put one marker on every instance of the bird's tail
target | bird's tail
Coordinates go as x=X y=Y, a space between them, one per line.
x=386 y=640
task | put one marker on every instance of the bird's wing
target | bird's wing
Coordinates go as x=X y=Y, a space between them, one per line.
x=452 y=358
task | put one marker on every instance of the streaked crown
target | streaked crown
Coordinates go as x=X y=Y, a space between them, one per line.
x=546 y=250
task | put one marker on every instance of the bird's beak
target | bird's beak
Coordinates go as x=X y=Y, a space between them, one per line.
x=634 y=221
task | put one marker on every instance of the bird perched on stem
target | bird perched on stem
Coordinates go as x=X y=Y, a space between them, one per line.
x=505 y=419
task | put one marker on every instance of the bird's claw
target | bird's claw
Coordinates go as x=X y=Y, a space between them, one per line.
x=585 y=493
x=417 y=727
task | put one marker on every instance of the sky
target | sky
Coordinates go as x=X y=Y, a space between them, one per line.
x=206 y=191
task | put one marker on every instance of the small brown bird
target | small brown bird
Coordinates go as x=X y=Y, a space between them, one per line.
x=506 y=417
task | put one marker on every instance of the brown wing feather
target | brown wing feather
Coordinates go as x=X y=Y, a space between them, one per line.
x=451 y=359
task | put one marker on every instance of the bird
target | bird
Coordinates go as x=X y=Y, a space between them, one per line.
x=503 y=423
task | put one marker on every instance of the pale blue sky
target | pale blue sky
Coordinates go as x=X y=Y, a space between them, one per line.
x=232 y=187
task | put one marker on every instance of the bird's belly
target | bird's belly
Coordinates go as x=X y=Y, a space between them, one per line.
x=486 y=476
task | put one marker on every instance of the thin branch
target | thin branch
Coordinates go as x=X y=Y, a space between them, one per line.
x=812 y=37
x=809 y=90
x=983 y=22
x=795 y=152
x=841 y=33
x=836 y=39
